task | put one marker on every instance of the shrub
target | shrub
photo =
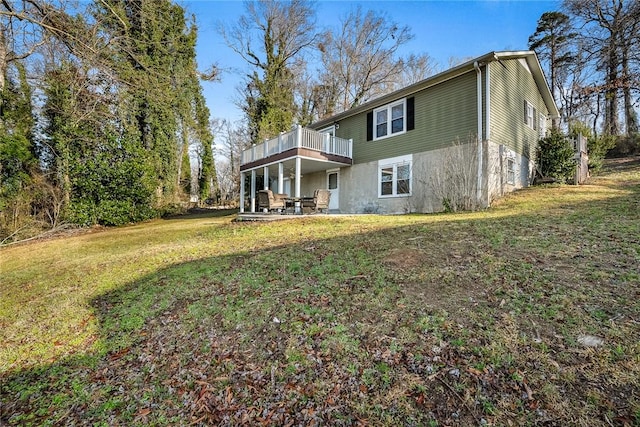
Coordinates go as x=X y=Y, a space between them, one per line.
x=597 y=149
x=108 y=212
x=556 y=157
x=81 y=213
x=626 y=146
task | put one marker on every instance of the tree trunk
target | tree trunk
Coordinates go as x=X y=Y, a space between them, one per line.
x=631 y=119
x=3 y=57
x=611 y=122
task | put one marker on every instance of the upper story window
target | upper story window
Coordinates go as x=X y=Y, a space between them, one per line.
x=530 y=116
x=390 y=119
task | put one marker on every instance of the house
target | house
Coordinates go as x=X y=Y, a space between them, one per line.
x=465 y=136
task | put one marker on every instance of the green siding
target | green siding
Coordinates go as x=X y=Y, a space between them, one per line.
x=444 y=113
x=447 y=112
x=511 y=85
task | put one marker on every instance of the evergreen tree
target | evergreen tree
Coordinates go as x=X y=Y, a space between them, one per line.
x=552 y=42
x=18 y=161
x=103 y=177
x=153 y=52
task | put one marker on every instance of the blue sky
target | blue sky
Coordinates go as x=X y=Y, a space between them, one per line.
x=442 y=29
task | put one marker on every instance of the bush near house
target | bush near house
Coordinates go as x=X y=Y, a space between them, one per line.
x=555 y=157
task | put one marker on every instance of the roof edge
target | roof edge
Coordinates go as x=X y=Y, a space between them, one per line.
x=528 y=55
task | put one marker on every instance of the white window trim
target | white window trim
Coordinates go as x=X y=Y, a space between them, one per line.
x=394 y=162
x=542 y=125
x=512 y=180
x=336 y=171
x=389 y=108
x=331 y=130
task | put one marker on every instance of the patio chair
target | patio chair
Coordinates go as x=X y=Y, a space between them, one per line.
x=270 y=201
x=319 y=201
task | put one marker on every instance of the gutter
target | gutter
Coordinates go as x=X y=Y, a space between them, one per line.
x=443 y=77
x=401 y=93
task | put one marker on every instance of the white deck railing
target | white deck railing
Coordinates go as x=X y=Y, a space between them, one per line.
x=300 y=138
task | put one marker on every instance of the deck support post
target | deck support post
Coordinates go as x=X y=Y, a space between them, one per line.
x=266 y=177
x=242 y=178
x=265 y=184
x=297 y=185
x=253 y=191
x=280 y=178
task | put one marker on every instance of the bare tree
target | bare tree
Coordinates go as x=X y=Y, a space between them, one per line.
x=233 y=139
x=415 y=68
x=360 y=61
x=270 y=36
x=578 y=99
x=454 y=61
x=608 y=31
x=630 y=62
x=18 y=37
x=25 y=24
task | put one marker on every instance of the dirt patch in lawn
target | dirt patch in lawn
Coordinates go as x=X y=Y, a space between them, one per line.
x=406 y=258
x=436 y=279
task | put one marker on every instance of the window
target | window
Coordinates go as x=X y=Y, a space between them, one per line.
x=530 y=115
x=511 y=171
x=392 y=119
x=397 y=118
x=381 y=123
x=389 y=120
x=332 y=183
x=395 y=176
x=403 y=181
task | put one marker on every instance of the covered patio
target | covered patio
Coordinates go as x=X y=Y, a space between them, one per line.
x=280 y=164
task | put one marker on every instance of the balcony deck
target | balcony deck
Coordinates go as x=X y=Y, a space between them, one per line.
x=299 y=142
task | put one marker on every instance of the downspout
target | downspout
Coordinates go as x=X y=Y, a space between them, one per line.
x=487 y=130
x=476 y=66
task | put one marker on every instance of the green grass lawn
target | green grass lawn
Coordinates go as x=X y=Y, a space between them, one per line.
x=485 y=318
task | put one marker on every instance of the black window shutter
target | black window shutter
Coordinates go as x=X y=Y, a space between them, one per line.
x=526 y=121
x=535 y=119
x=411 y=120
x=369 y=125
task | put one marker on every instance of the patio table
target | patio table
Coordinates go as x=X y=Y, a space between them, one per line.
x=292 y=203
